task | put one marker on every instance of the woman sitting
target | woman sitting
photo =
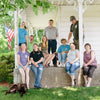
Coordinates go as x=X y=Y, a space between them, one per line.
x=72 y=62
x=43 y=46
x=36 y=57
x=23 y=64
x=90 y=64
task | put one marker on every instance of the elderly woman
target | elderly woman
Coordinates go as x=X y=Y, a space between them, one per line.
x=90 y=64
x=23 y=64
x=72 y=62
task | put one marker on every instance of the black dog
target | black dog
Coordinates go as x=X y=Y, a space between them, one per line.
x=21 y=88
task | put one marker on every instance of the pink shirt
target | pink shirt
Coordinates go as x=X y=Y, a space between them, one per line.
x=87 y=58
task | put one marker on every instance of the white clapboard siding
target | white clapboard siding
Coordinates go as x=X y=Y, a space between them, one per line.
x=91 y=20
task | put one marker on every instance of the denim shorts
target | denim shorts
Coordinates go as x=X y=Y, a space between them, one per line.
x=21 y=67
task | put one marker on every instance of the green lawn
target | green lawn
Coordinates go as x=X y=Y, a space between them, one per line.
x=68 y=93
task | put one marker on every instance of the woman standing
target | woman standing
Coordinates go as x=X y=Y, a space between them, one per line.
x=23 y=64
x=43 y=46
x=36 y=57
x=72 y=62
x=22 y=34
x=90 y=64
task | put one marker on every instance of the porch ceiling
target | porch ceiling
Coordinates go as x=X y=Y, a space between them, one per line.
x=64 y=2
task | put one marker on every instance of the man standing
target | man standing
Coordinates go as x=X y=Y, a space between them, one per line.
x=51 y=33
x=74 y=28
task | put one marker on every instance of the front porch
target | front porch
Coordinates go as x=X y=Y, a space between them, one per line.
x=52 y=76
x=57 y=77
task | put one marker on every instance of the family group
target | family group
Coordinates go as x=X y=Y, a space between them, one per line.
x=37 y=56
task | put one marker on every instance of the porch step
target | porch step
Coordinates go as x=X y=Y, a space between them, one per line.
x=56 y=77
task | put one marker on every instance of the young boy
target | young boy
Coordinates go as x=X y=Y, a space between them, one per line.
x=62 y=52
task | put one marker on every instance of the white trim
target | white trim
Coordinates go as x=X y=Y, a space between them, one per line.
x=16 y=35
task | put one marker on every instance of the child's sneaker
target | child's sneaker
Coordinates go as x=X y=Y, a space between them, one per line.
x=59 y=64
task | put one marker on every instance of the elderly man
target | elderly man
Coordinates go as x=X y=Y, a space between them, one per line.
x=51 y=33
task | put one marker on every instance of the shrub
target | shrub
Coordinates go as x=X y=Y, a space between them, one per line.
x=7 y=63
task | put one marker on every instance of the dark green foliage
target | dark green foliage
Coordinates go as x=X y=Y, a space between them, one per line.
x=7 y=65
x=6 y=5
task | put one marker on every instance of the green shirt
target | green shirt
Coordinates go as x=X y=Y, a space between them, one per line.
x=30 y=47
x=75 y=30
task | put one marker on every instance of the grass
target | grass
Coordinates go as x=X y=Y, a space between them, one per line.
x=68 y=93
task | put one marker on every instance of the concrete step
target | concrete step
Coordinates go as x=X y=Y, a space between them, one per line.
x=56 y=77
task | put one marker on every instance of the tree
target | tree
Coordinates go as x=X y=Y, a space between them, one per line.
x=6 y=5
x=7 y=8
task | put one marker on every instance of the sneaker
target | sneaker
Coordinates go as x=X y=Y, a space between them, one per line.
x=63 y=65
x=59 y=64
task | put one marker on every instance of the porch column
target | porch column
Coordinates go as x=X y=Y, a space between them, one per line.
x=80 y=6
x=16 y=35
x=80 y=3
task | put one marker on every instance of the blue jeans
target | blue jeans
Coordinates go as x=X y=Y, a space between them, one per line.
x=71 y=68
x=62 y=57
x=38 y=74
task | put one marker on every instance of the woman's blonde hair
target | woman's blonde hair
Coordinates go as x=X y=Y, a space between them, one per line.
x=33 y=49
x=46 y=43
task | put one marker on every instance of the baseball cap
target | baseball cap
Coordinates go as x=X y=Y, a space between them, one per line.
x=72 y=18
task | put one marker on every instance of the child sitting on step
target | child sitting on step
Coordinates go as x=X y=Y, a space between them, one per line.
x=62 y=52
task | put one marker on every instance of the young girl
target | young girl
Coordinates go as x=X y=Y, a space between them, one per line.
x=72 y=63
x=43 y=46
x=23 y=64
x=90 y=64
x=22 y=34
x=36 y=57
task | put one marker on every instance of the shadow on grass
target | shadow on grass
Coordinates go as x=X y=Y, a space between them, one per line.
x=68 y=93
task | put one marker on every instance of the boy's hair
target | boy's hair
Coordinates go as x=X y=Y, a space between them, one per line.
x=51 y=20
x=63 y=40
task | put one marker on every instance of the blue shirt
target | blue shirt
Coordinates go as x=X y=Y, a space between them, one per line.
x=63 y=48
x=21 y=34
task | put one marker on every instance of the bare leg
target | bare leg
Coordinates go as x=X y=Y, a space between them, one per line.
x=89 y=81
x=45 y=55
x=85 y=79
x=22 y=75
x=27 y=77
x=49 y=59
x=72 y=79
